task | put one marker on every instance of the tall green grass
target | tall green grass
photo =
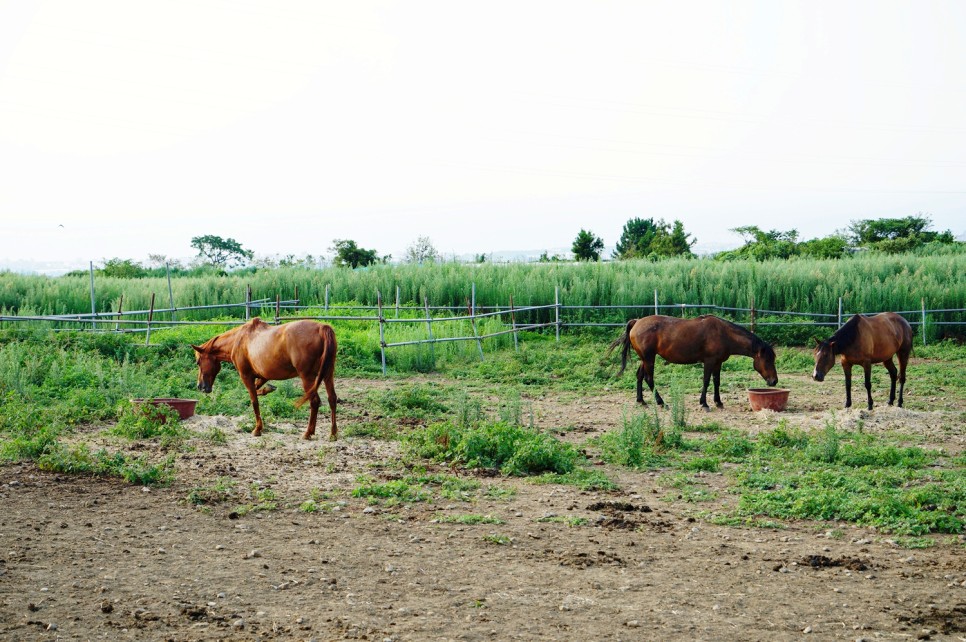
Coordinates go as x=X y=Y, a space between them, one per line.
x=867 y=283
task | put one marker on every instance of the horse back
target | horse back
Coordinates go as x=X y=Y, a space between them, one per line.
x=281 y=352
x=679 y=340
x=881 y=337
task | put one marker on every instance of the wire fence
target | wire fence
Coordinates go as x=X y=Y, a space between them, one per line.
x=510 y=320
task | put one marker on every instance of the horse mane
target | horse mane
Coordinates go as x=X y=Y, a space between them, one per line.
x=846 y=335
x=757 y=343
x=232 y=334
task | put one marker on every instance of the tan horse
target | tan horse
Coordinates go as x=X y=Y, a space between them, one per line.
x=708 y=340
x=262 y=352
x=864 y=341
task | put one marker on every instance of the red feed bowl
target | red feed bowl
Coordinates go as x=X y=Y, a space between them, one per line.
x=768 y=398
x=185 y=407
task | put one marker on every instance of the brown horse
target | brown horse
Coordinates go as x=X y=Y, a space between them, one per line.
x=864 y=341
x=261 y=352
x=708 y=340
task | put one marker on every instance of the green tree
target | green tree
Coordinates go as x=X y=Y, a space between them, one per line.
x=830 y=247
x=546 y=258
x=422 y=251
x=636 y=238
x=587 y=246
x=671 y=241
x=760 y=245
x=895 y=235
x=349 y=254
x=222 y=253
x=123 y=269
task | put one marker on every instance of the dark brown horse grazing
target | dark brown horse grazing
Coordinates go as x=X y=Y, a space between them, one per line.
x=261 y=352
x=864 y=341
x=707 y=339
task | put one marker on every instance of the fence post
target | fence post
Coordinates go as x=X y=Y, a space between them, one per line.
x=326 y=297
x=513 y=326
x=752 y=312
x=167 y=268
x=923 y=301
x=248 y=302
x=397 y=301
x=556 y=310
x=278 y=305
x=120 y=305
x=147 y=335
x=296 y=295
x=93 y=301
x=655 y=301
x=471 y=306
x=840 y=312
x=429 y=329
x=382 y=332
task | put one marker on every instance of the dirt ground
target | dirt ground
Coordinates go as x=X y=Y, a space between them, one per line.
x=95 y=559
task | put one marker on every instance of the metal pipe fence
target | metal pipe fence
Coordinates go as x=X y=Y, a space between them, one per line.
x=513 y=320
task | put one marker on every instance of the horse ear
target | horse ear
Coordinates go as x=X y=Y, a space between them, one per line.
x=197 y=348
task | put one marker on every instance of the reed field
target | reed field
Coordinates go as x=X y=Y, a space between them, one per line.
x=866 y=283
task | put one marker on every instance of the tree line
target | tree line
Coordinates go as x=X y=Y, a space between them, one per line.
x=645 y=238
x=641 y=238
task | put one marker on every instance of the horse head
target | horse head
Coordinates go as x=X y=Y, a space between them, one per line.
x=209 y=365
x=824 y=359
x=764 y=362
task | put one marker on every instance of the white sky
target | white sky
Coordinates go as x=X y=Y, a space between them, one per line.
x=486 y=126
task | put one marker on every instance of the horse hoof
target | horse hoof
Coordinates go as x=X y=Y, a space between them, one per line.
x=706 y=408
x=307 y=436
x=333 y=438
x=256 y=433
x=719 y=405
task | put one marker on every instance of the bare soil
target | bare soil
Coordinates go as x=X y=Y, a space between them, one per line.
x=84 y=558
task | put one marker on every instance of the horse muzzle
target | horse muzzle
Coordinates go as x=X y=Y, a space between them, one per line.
x=818 y=376
x=772 y=382
x=205 y=388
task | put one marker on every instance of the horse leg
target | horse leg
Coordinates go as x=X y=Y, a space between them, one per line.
x=893 y=375
x=868 y=382
x=648 y=366
x=708 y=368
x=333 y=400
x=640 y=383
x=253 y=393
x=903 y=360
x=847 y=367
x=717 y=386
x=314 y=403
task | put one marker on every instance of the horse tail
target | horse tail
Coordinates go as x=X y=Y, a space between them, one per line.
x=625 y=342
x=326 y=363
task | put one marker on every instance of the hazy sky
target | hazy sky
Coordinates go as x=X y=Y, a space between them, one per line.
x=128 y=127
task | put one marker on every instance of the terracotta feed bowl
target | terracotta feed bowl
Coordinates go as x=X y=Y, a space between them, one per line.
x=768 y=398
x=185 y=407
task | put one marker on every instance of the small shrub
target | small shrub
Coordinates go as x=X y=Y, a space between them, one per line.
x=80 y=460
x=501 y=540
x=469 y=520
x=510 y=449
x=147 y=422
x=641 y=442
x=705 y=464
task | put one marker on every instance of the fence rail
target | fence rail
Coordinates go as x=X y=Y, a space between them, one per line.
x=514 y=319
